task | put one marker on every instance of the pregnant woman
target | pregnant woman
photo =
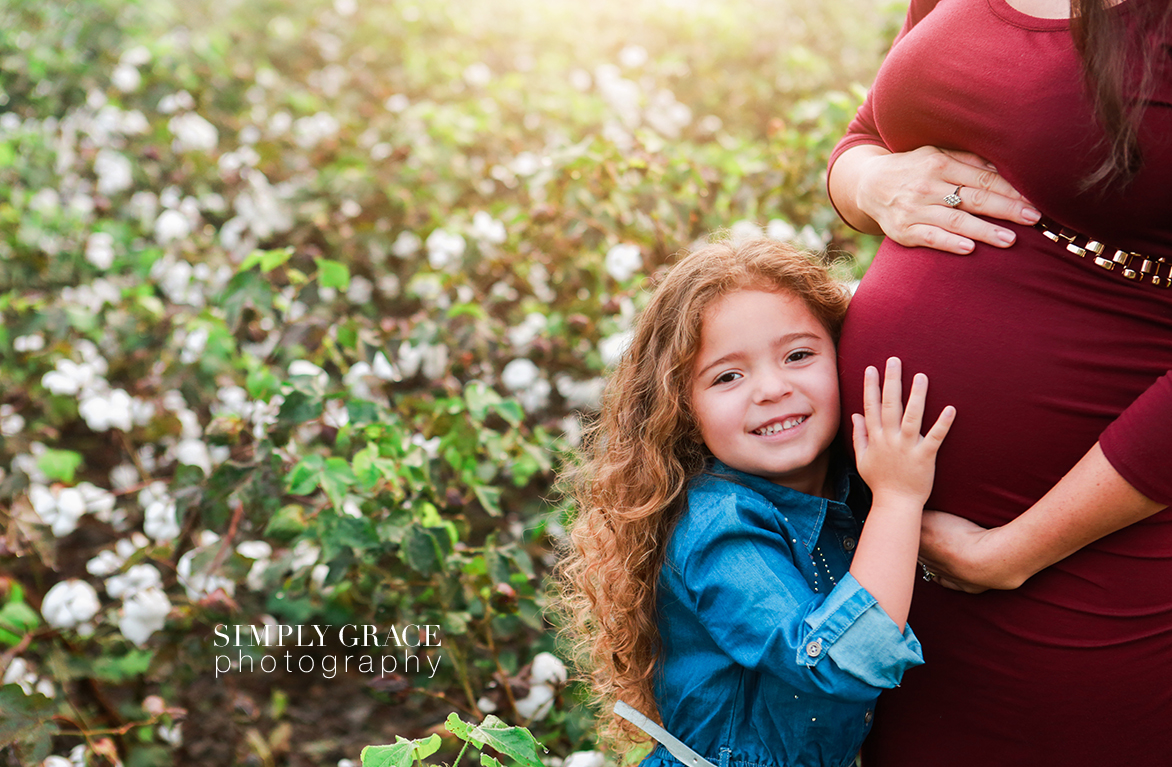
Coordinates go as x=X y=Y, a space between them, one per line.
x=1047 y=632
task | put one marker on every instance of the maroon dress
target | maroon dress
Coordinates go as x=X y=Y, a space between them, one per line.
x=1043 y=353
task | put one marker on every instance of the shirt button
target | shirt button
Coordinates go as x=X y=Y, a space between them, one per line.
x=867 y=717
x=814 y=649
x=849 y=544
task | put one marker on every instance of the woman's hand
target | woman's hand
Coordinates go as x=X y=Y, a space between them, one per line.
x=962 y=555
x=901 y=195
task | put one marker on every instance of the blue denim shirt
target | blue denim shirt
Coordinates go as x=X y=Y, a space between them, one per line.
x=773 y=654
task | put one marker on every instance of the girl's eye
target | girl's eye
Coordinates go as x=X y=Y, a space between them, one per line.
x=728 y=377
x=799 y=355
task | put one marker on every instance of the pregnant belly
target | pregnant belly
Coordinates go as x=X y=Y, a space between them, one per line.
x=1038 y=351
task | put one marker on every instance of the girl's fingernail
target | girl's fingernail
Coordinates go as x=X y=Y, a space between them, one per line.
x=1005 y=237
x=1030 y=215
x=966 y=246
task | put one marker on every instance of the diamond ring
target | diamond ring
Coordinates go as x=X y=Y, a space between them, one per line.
x=953 y=199
x=928 y=574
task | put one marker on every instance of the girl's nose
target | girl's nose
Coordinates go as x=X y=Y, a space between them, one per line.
x=772 y=385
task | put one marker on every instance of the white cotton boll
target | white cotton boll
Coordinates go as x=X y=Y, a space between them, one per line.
x=307 y=368
x=486 y=705
x=744 y=230
x=811 y=239
x=430 y=447
x=435 y=362
x=172 y=736
x=519 y=374
x=536 y=397
x=487 y=229
x=547 y=668
x=123 y=476
x=444 y=249
x=199 y=584
x=384 y=369
x=193 y=133
x=33 y=342
x=304 y=555
x=622 y=261
x=318 y=575
x=171 y=225
x=254 y=549
x=98 y=501
x=137 y=578
x=584 y=759
x=521 y=336
x=397 y=103
x=781 y=230
x=105 y=563
x=161 y=521
x=537 y=704
x=633 y=56
x=19 y=672
x=69 y=604
x=360 y=290
x=194 y=452
x=126 y=78
x=11 y=424
x=46 y=202
x=525 y=164
x=335 y=414
x=114 y=170
x=477 y=74
x=613 y=347
x=68 y=377
x=136 y=56
x=45 y=687
x=142 y=614
x=208 y=538
x=56 y=761
x=580 y=395
x=103 y=412
x=406 y=244
x=99 y=250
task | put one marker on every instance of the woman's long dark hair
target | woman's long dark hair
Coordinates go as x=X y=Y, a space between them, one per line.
x=1111 y=56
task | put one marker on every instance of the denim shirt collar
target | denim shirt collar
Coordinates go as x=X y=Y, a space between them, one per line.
x=808 y=526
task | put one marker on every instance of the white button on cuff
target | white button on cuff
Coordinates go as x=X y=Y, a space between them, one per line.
x=814 y=649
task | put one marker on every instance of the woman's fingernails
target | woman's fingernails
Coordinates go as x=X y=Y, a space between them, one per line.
x=1030 y=215
x=966 y=246
x=1005 y=237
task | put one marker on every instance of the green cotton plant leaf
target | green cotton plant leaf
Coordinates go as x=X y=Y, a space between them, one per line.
x=489 y=497
x=402 y=753
x=268 y=260
x=306 y=475
x=59 y=464
x=424 y=548
x=488 y=761
x=517 y=743
x=16 y=620
x=336 y=478
x=27 y=723
x=332 y=274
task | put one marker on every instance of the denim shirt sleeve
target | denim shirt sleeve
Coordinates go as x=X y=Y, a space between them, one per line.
x=734 y=568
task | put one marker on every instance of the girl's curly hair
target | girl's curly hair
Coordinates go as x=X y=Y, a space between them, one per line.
x=638 y=456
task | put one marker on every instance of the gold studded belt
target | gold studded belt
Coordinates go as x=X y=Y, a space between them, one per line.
x=1134 y=266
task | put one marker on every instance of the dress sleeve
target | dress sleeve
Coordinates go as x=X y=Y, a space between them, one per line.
x=862 y=129
x=1138 y=444
x=740 y=581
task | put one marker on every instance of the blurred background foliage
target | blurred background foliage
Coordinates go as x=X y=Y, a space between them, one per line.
x=303 y=305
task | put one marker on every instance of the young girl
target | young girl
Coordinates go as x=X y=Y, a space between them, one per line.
x=719 y=580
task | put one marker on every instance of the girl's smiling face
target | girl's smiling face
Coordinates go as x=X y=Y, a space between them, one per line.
x=765 y=388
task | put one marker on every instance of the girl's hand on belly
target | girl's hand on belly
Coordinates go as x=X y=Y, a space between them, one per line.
x=903 y=194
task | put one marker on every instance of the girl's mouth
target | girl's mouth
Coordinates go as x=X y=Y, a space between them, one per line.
x=778 y=426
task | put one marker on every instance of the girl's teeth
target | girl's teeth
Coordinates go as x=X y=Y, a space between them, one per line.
x=788 y=423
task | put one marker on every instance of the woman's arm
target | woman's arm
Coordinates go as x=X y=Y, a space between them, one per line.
x=1092 y=500
x=901 y=195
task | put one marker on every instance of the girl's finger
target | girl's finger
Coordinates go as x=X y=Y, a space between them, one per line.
x=859 y=433
x=871 y=401
x=913 y=414
x=892 y=409
x=940 y=429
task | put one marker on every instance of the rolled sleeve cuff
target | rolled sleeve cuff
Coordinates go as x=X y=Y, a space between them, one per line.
x=853 y=630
